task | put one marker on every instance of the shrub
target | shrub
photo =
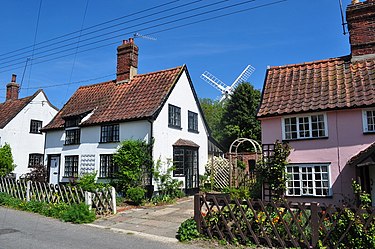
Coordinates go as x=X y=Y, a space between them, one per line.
x=188 y=230
x=6 y=160
x=133 y=159
x=166 y=184
x=136 y=195
x=78 y=213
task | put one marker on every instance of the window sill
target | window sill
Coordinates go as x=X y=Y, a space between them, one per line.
x=175 y=127
x=109 y=142
x=369 y=133
x=178 y=175
x=304 y=139
x=71 y=144
x=309 y=196
x=39 y=133
x=193 y=131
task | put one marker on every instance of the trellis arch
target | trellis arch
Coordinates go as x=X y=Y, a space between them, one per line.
x=233 y=154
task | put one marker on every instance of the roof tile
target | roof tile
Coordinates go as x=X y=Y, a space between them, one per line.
x=319 y=85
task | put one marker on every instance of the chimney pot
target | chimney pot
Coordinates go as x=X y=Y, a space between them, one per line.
x=14 y=77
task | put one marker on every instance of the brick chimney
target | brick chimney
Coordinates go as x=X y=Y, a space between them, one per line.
x=360 y=17
x=12 y=89
x=127 y=60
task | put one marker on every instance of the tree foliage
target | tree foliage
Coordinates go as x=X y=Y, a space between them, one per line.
x=239 y=118
x=213 y=111
x=6 y=160
x=234 y=118
x=132 y=158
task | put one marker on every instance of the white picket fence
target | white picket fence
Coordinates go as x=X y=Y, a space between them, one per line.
x=103 y=201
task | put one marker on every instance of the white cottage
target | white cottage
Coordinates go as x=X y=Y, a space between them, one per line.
x=160 y=106
x=21 y=121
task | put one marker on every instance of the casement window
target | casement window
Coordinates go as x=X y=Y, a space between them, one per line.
x=192 y=121
x=72 y=122
x=72 y=136
x=308 y=180
x=35 y=160
x=35 y=126
x=174 y=116
x=109 y=133
x=71 y=166
x=184 y=158
x=304 y=127
x=107 y=168
x=368 y=117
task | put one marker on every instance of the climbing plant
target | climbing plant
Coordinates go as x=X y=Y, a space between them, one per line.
x=272 y=169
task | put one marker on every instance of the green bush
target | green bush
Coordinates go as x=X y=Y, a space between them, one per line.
x=167 y=186
x=136 y=195
x=188 y=230
x=6 y=160
x=78 y=213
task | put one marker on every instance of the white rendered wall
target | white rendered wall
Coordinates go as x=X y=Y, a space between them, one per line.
x=90 y=149
x=17 y=132
x=181 y=96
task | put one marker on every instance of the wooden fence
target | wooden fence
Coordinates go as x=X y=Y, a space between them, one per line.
x=283 y=224
x=103 y=201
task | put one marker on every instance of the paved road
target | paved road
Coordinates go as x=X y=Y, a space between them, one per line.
x=22 y=230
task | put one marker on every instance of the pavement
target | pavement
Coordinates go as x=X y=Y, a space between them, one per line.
x=158 y=223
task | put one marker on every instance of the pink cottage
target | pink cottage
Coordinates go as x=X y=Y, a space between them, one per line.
x=326 y=111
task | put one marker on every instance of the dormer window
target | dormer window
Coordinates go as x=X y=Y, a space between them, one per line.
x=72 y=131
x=304 y=127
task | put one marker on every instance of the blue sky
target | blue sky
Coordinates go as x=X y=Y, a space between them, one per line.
x=288 y=32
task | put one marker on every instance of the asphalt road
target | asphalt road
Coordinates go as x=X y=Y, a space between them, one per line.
x=23 y=230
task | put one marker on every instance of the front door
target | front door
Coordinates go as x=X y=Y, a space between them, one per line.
x=372 y=183
x=54 y=168
x=191 y=171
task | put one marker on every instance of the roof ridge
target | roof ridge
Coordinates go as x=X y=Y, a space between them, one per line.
x=96 y=84
x=160 y=71
x=343 y=58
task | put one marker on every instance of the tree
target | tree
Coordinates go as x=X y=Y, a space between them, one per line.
x=133 y=159
x=6 y=160
x=213 y=112
x=239 y=117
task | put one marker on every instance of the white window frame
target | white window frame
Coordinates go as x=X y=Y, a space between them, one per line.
x=364 y=121
x=313 y=180
x=310 y=126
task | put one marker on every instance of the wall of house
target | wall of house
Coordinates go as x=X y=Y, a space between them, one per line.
x=345 y=139
x=90 y=148
x=17 y=132
x=165 y=137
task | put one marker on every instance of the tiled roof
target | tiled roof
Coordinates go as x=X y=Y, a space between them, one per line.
x=335 y=83
x=185 y=142
x=357 y=159
x=140 y=98
x=9 y=109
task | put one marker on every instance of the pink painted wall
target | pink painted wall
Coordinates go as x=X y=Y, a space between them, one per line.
x=345 y=139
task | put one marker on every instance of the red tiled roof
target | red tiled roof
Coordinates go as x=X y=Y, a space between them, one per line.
x=9 y=109
x=111 y=102
x=335 y=83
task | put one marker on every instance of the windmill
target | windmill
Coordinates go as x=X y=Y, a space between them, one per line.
x=225 y=90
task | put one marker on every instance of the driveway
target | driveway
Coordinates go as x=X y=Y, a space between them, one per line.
x=160 y=223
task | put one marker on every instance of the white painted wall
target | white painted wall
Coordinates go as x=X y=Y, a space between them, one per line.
x=90 y=148
x=165 y=137
x=17 y=132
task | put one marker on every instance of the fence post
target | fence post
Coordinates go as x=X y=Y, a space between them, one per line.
x=88 y=199
x=113 y=194
x=314 y=225
x=28 y=183
x=197 y=212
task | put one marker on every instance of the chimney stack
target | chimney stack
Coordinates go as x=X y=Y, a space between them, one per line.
x=12 y=89
x=127 y=60
x=360 y=17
